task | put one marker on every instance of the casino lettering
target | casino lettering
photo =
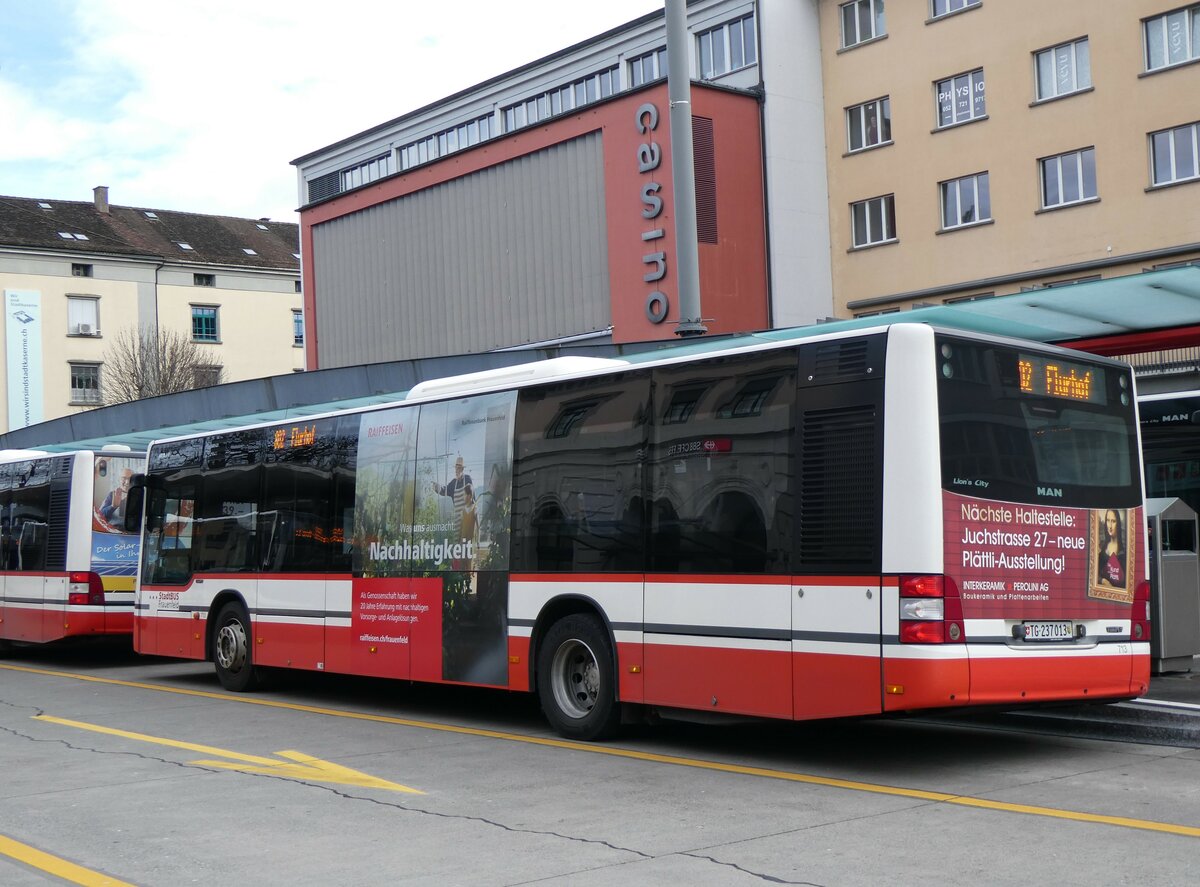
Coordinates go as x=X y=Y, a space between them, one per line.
x=649 y=158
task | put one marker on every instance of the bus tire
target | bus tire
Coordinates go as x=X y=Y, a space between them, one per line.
x=576 y=680
x=233 y=654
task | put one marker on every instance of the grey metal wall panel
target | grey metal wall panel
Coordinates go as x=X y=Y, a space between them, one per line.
x=512 y=254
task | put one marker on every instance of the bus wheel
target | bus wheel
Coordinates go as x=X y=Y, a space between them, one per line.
x=575 y=679
x=232 y=653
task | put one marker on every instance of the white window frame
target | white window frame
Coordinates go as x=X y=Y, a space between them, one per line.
x=1052 y=53
x=456 y=138
x=297 y=328
x=1189 y=133
x=883 y=114
x=980 y=187
x=885 y=217
x=584 y=91
x=1080 y=180
x=975 y=83
x=952 y=6
x=83 y=311
x=1158 y=30
x=652 y=62
x=876 y=16
x=718 y=45
x=86 y=396
x=366 y=172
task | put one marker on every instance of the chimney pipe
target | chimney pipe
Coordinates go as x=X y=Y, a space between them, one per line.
x=101 y=192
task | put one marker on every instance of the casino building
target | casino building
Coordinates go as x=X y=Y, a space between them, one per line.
x=852 y=158
x=538 y=206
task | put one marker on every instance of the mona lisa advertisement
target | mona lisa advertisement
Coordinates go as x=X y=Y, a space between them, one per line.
x=1017 y=561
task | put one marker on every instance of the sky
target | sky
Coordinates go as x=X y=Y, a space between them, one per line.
x=202 y=106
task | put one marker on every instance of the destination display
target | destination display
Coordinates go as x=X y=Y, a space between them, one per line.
x=1053 y=377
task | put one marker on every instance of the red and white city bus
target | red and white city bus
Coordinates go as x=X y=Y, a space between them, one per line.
x=67 y=564
x=789 y=524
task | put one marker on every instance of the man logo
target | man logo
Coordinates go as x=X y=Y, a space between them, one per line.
x=1052 y=492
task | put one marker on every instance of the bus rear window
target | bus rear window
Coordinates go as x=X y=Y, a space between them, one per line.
x=1032 y=427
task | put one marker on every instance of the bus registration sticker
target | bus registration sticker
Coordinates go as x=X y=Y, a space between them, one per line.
x=1048 y=631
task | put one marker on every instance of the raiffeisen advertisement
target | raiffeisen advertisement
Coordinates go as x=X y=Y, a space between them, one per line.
x=1015 y=561
x=431 y=535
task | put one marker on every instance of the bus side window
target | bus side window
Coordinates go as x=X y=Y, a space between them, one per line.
x=577 y=485
x=721 y=464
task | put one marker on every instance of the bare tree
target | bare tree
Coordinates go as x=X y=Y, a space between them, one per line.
x=147 y=362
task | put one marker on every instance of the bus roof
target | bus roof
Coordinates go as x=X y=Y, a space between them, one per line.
x=521 y=375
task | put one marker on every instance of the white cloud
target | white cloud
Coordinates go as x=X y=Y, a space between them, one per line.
x=202 y=106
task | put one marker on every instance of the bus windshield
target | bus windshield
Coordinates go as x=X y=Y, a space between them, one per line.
x=1020 y=426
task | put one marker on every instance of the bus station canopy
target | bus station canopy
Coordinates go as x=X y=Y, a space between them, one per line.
x=1117 y=316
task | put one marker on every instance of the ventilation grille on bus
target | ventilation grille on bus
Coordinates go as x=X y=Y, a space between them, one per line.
x=56 y=537
x=838 y=489
x=837 y=360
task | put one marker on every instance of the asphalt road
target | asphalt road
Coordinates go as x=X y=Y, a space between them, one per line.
x=121 y=770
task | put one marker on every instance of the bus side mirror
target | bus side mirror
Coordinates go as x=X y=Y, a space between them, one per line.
x=134 y=500
x=135 y=504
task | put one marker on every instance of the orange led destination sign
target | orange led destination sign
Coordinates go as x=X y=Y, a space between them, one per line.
x=288 y=438
x=1051 y=377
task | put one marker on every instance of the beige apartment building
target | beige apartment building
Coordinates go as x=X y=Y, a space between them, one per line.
x=984 y=147
x=76 y=275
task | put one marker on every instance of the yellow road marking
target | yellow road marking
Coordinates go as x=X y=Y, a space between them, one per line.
x=302 y=767
x=60 y=868
x=874 y=788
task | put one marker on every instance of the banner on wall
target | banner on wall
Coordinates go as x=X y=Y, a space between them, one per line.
x=23 y=337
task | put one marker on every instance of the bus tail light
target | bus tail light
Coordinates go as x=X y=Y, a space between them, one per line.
x=930 y=611
x=85 y=588
x=1139 y=628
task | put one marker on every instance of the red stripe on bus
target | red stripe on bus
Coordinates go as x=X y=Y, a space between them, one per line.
x=1044 y=678
x=43 y=624
x=828 y=685
x=910 y=684
x=715 y=679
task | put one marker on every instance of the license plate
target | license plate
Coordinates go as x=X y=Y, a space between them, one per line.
x=1048 y=631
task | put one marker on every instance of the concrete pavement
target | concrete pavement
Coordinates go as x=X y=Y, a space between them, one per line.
x=1183 y=687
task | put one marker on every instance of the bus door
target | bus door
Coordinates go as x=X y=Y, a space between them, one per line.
x=836 y=596
x=170 y=603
